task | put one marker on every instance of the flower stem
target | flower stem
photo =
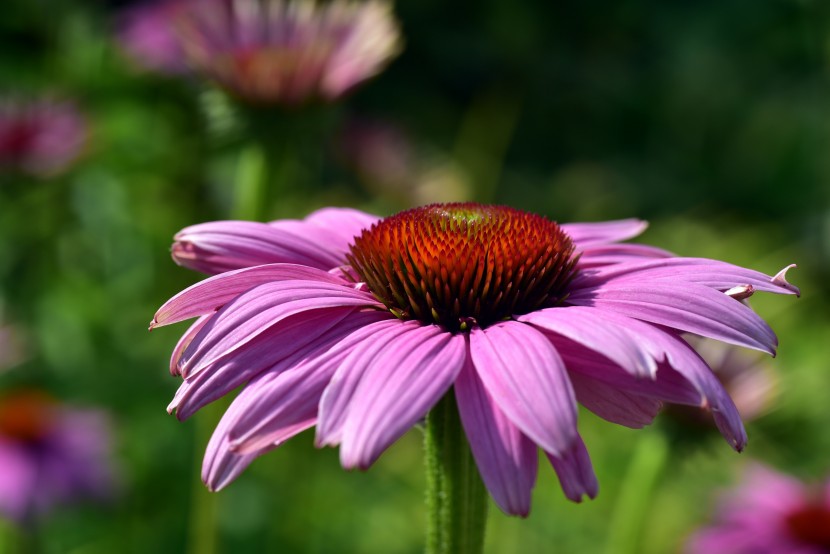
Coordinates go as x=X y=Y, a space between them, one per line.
x=456 y=497
x=249 y=194
x=635 y=498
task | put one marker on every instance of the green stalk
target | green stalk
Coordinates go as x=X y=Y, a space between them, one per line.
x=456 y=497
x=635 y=498
x=249 y=195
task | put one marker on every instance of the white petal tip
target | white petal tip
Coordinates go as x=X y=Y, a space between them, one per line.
x=780 y=279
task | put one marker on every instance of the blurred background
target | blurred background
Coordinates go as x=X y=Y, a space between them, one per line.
x=709 y=119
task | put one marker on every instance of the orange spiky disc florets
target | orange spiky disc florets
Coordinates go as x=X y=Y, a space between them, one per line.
x=464 y=264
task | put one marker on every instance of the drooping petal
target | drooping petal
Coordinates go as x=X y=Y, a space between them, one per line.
x=291 y=391
x=527 y=380
x=613 y=403
x=252 y=313
x=297 y=337
x=506 y=459
x=336 y=400
x=184 y=342
x=221 y=246
x=683 y=359
x=221 y=465
x=398 y=387
x=575 y=471
x=687 y=307
x=208 y=296
x=587 y=326
x=711 y=273
x=590 y=234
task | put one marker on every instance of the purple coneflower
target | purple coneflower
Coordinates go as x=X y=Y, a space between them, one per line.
x=269 y=51
x=40 y=137
x=50 y=454
x=358 y=326
x=769 y=513
x=147 y=33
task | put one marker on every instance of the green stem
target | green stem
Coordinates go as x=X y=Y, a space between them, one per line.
x=251 y=176
x=456 y=497
x=629 y=516
x=203 y=536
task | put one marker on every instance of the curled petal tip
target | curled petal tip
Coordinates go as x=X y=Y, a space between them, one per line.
x=780 y=279
x=741 y=292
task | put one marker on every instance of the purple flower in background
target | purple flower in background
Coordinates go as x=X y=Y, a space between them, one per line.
x=147 y=32
x=40 y=137
x=358 y=326
x=268 y=51
x=50 y=454
x=769 y=513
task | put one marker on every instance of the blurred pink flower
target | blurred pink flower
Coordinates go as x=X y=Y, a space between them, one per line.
x=769 y=513
x=359 y=325
x=50 y=454
x=40 y=137
x=268 y=51
x=147 y=32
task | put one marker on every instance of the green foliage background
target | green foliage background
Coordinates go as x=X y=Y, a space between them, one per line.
x=711 y=119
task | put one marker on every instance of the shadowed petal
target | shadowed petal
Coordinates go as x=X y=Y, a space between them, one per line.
x=208 y=296
x=506 y=459
x=292 y=390
x=221 y=246
x=526 y=378
x=336 y=398
x=575 y=471
x=221 y=465
x=614 y=404
x=254 y=312
x=687 y=307
x=397 y=388
x=590 y=234
x=184 y=342
x=298 y=337
x=669 y=386
x=588 y=327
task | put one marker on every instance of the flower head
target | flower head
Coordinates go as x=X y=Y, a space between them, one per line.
x=50 y=454
x=147 y=33
x=358 y=326
x=769 y=513
x=40 y=137
x=269 y=51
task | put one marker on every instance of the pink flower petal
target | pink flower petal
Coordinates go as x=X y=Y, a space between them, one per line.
x=208 y=296
x=687 y=307
x=221 y=246
x=590 y=234
x=711 y=273
x=334 y=404
x=506 y=459
x=299 y=336
x=612 y=254
x=527 y=380
x=292 y=390
x=347 y=222
x=575 y=471
x=614 y=404
x=588 y=327
x=184 y=342
x=397 y=388
x=252 y=313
